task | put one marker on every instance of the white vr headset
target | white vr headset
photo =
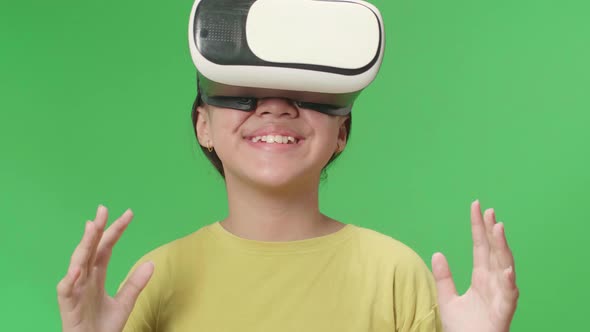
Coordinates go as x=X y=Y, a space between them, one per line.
x=318 y=53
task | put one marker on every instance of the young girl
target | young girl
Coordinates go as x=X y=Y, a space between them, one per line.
x=276 y=262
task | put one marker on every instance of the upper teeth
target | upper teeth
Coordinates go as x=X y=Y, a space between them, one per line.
x=274 y=139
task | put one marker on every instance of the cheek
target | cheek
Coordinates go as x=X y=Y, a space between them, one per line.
x=226 y=125
x=325 y=126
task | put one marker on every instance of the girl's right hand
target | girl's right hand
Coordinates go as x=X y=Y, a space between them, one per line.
x=84 y=304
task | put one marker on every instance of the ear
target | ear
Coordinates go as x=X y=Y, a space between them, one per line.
x=203 y=126
x=342 y=134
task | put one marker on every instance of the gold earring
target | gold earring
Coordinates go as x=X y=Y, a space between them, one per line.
x=209 y=147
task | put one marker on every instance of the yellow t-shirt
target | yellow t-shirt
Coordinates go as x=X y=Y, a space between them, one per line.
x=354 y=279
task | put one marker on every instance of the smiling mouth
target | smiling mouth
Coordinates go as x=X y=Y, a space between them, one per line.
x=274 y=139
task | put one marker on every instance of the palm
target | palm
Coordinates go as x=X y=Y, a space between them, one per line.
x=90 y=301
x=83 y=301
x=490 y=302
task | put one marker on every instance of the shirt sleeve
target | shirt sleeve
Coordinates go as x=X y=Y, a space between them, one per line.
x=415 y=297
x=429 y=323
x=145 y=316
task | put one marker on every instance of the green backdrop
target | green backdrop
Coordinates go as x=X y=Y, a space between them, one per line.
x=475 y=99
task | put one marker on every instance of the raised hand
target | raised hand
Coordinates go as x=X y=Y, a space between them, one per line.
x=84 y=304
x=490 y=302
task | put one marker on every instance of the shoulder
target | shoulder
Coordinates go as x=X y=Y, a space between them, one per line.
x=167 y=259
x=391 y=257
x=388 y=248
x=411 y=281
x=179 y=248
x=171 y=257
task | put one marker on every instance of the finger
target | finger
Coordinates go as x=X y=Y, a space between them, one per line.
x=443 y=278
x=110 y=238
x=82 y=252
x=481 y=249
x=128 y=294
x=100 y=221
x=509 y=279
x=510 y=292
x=503 y=253
x=65 y=289
x=490 y=222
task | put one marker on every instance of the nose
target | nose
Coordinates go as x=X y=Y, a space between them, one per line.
x=277 y=107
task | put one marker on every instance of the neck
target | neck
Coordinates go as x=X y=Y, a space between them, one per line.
x=287 y=213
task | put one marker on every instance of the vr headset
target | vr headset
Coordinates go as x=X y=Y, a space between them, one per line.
x=318 y=53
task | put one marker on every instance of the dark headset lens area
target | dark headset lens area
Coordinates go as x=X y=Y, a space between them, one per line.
x=249 y=104
x=238 y=103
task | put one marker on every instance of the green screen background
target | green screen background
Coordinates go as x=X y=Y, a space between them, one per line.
x=475 y=99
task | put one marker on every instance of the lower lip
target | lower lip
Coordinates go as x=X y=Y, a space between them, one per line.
x=273 y=146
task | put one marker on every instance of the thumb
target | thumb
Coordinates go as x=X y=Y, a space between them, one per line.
x=134 y=285
x=443 y=278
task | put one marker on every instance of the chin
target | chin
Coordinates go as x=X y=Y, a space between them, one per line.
x=277 y=180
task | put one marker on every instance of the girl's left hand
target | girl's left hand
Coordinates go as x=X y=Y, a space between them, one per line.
x=490 y=302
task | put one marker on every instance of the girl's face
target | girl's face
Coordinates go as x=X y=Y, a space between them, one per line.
x=230 y=132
